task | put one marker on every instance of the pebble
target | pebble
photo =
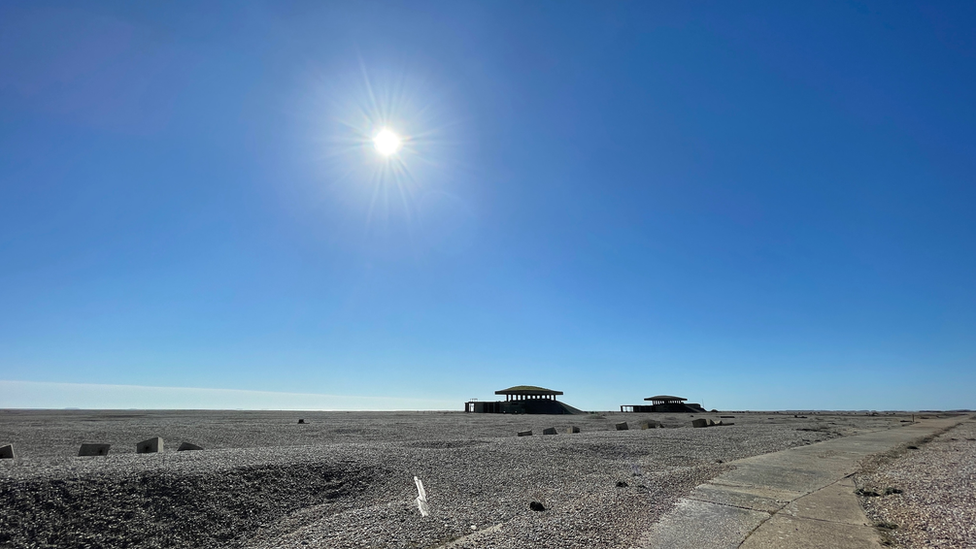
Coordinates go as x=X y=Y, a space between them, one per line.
x=338 y=490
x=928 y=494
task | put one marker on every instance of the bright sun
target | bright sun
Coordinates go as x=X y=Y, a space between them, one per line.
x=387 y=142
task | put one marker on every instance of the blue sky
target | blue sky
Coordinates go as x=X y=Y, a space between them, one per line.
x=752 y=205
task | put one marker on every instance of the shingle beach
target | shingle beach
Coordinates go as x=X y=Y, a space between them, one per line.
x=925 y=495
x=346 y=480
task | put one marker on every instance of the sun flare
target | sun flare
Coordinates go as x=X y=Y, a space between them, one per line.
x=386 y=142
x=390 y=141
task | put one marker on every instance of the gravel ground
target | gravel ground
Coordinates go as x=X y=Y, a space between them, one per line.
x=42 y=433
x=346 y=479
x=926 y=497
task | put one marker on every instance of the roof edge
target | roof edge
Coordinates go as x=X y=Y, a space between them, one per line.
x=527 y=390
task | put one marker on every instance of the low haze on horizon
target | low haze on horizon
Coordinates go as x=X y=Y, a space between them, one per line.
x=405 y=205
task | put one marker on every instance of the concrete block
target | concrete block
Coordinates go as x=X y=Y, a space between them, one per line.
x=150 y=446
x=7 y=452
x=94 y=450
x=621 y=426
x=188 y=446
x=549 y=431
x=525 y=433
x=301 y=422
x=649 y=424
x=700 y=422
x=574 y=429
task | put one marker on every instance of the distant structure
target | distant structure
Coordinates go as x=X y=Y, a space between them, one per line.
x=523 y=399
x=664 y=403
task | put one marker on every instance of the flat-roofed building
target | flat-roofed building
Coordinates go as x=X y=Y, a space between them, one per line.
x=664 y=403
x=523 y=399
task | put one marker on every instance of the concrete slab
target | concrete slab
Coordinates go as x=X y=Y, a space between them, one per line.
x=786 y=476
x=835 y=503
x=696 y=524
x=783 y=531
x=746 y=497
x=798 y=498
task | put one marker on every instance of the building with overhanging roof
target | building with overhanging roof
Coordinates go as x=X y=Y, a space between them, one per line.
x=664 y=403
x=525 y=392
x=666 y=399
x=523 y=399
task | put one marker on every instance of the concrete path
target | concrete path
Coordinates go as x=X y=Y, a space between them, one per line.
x=798 y=498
